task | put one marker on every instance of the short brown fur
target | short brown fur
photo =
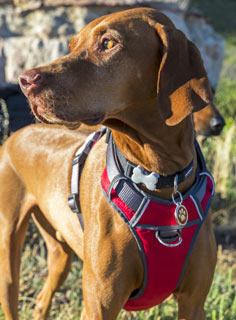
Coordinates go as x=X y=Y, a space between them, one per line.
x=145 y=92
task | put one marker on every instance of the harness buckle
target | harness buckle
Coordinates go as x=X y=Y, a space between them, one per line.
x=73 y=202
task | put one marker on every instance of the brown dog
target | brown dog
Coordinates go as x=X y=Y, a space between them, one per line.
x=135 y=73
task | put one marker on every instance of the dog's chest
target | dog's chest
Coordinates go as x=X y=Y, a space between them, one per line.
x=165 y=233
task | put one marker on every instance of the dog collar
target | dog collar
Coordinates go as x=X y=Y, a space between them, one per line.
x=151 y=180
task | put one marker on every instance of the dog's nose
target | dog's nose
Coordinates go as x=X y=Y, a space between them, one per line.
x=217 y=124
x=29 y=80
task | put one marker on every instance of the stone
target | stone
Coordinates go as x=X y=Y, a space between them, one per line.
x=28 y=4
x=23 y=53
x=6 y=2
x=37 y=34
x=178 y=18
x=210 y=44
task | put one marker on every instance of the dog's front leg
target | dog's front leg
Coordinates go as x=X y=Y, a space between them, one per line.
x=59 y=259
x=104 y=298
x=112 y=271
x=10 y=257
x=12 y=237
x=198 y=275
x=14 y=221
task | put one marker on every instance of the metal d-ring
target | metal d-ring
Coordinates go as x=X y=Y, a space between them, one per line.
x=171 y=245
x=179 y=194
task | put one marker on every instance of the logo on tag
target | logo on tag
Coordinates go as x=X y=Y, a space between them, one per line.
x=181 y=214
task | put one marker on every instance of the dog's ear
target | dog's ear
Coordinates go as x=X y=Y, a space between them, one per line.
x=182 y=85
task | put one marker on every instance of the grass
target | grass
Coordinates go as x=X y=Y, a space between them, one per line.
x=220 y=152
x=220 y=155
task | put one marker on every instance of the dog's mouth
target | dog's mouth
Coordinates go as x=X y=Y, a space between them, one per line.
x=37 y=114
x=45 y=114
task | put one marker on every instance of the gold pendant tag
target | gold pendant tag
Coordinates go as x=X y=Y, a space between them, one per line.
x=181 y=214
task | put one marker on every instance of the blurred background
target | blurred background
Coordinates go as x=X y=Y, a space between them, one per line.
x=34 y=32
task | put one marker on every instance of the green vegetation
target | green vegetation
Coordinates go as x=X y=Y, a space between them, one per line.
x=221 y=14
x=220 y=152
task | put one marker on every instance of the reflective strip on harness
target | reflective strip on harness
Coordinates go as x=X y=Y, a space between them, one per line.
x=77 y=167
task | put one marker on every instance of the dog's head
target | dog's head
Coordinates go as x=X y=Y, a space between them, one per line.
x=131 y=58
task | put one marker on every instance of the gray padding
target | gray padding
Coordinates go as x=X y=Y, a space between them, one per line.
x=128 y=195
x=202 y=190
x=112 y=169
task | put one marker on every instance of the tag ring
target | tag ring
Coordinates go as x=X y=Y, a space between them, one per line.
x=179 y=194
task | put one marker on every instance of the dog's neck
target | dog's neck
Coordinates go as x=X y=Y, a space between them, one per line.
x=156 y=146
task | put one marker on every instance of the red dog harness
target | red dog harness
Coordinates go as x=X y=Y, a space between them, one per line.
x=165 y=231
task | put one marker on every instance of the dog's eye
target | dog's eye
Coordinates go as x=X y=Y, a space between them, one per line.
x=108 y=44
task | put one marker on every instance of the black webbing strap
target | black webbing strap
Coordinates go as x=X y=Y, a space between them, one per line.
x=124 y=187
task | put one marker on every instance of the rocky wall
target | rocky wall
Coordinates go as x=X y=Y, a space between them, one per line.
x=34 y=32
